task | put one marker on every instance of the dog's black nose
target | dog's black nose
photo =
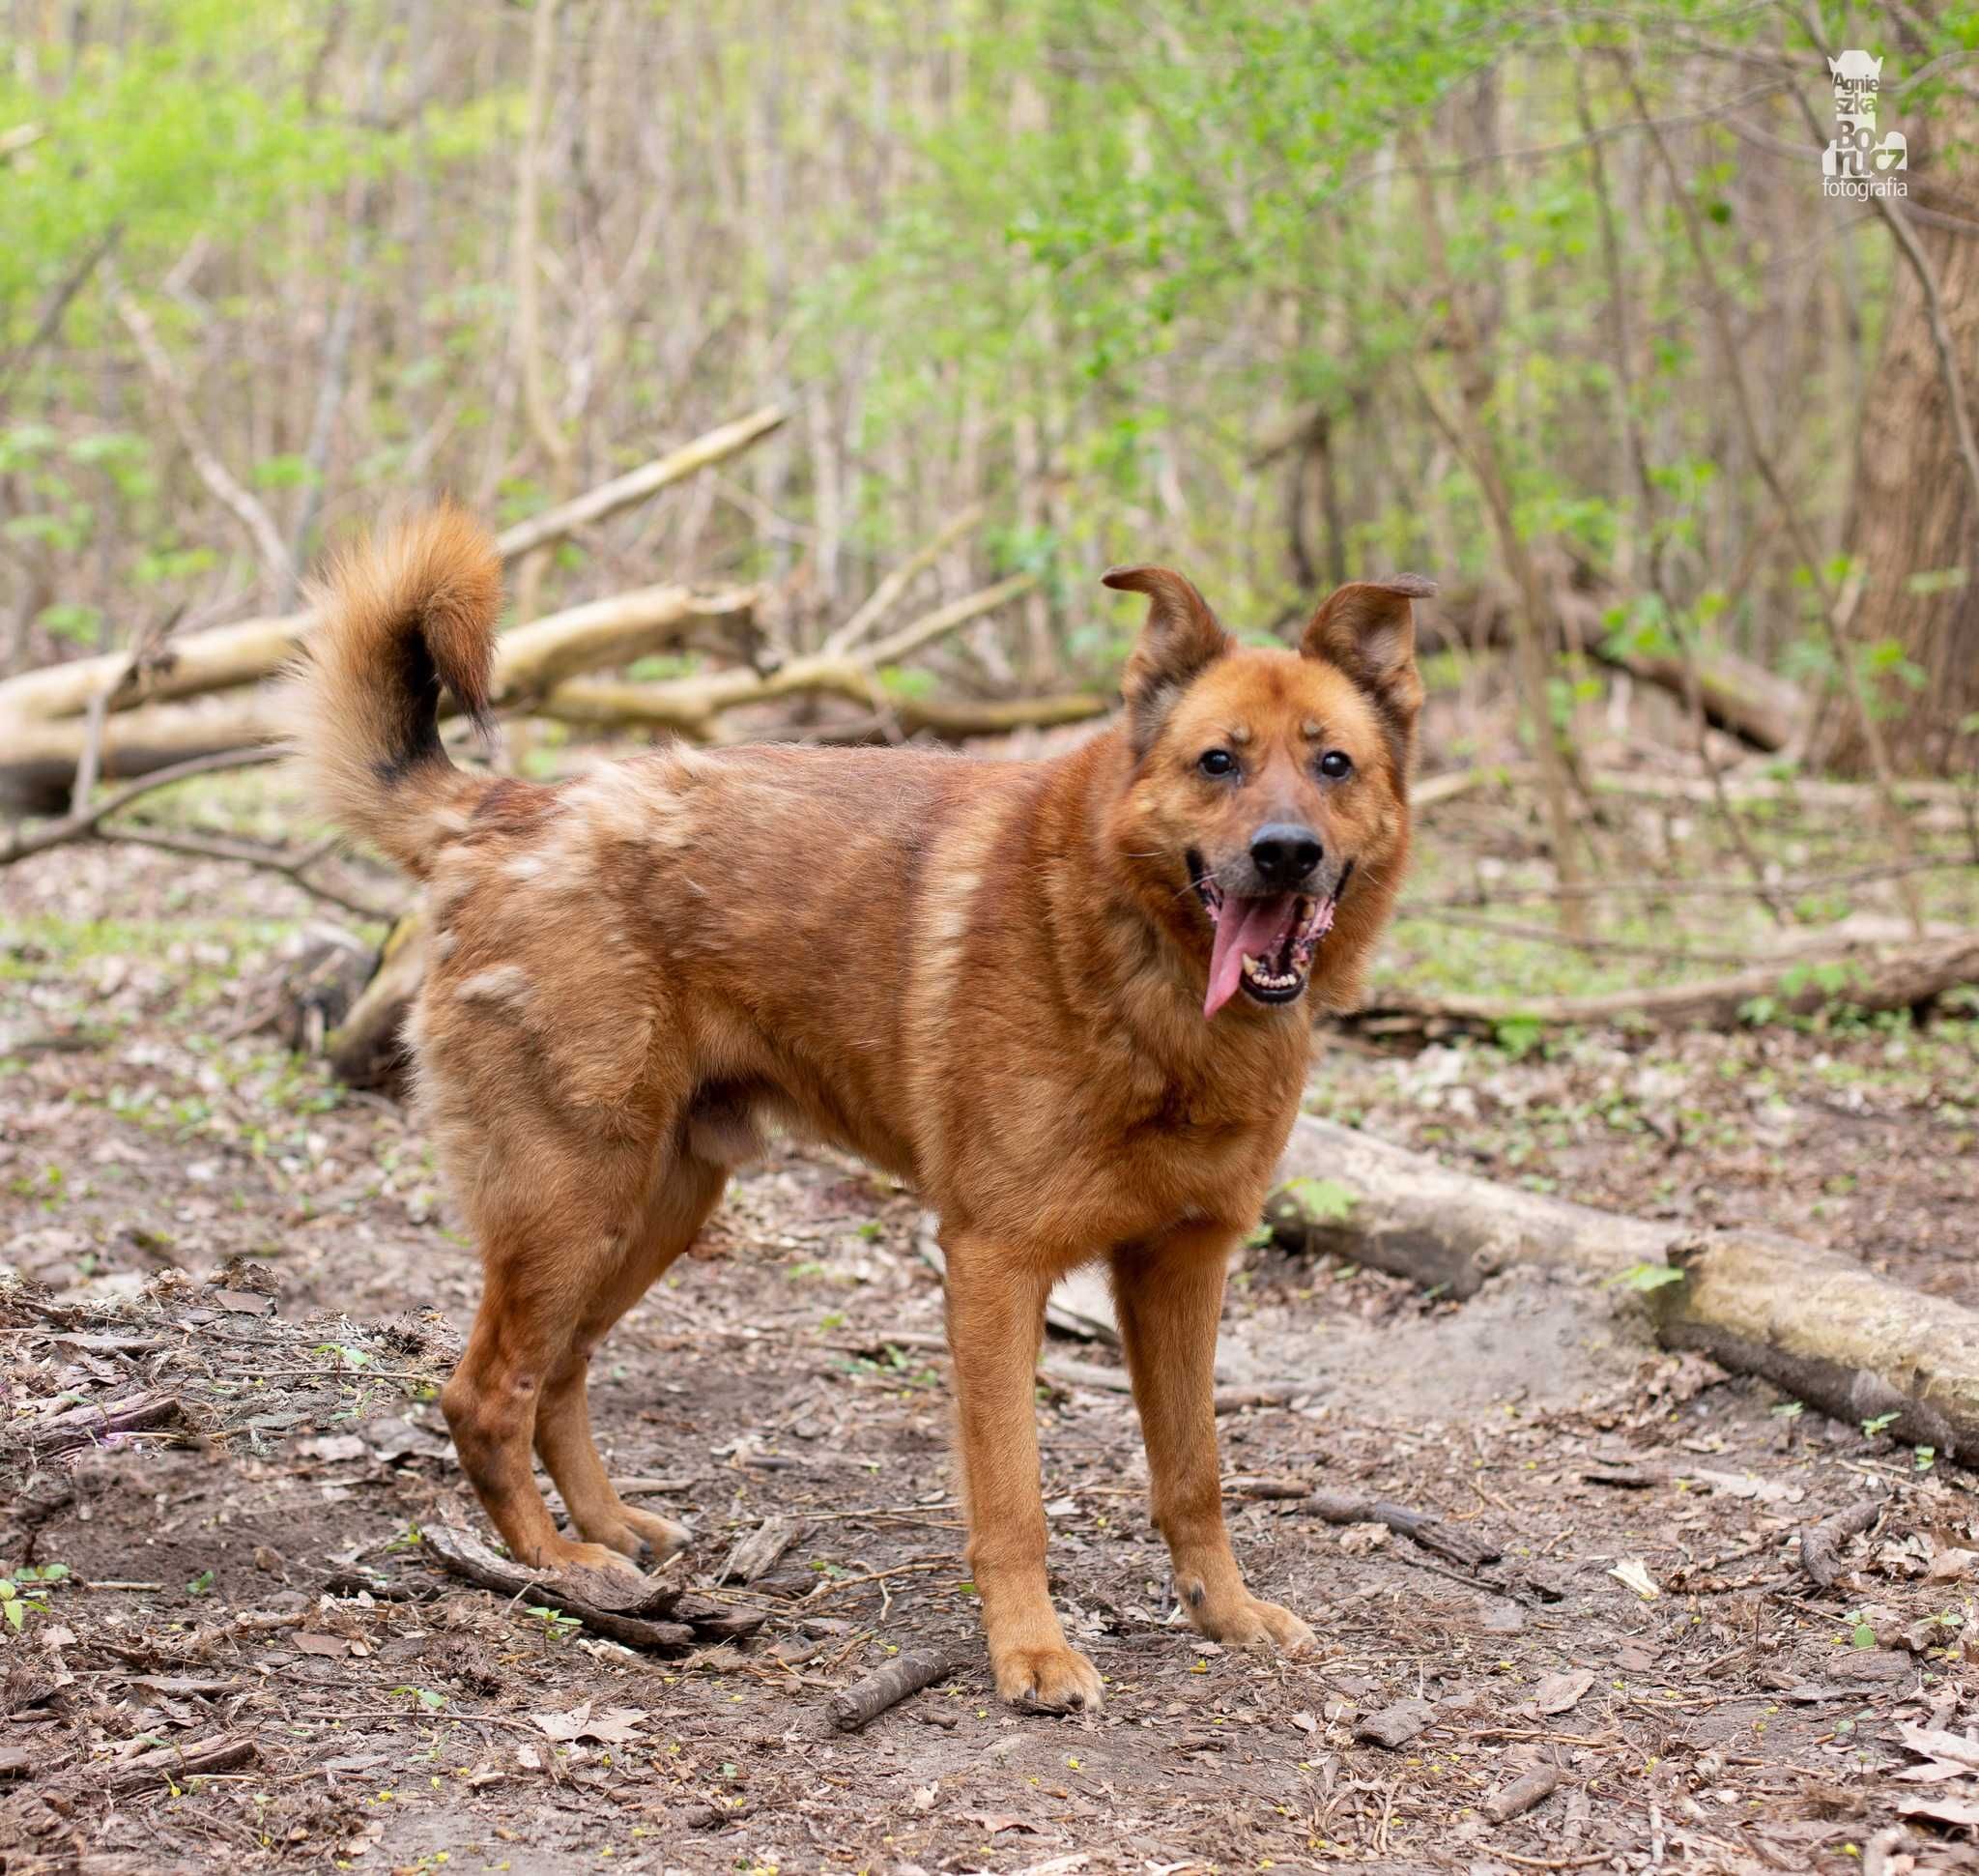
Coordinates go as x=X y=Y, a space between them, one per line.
x=1285 y=855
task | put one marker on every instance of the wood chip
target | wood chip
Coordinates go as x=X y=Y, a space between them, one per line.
x=1523 y=1793
x=1395 y=1726
x=1559 y=1693
x=757 y=1552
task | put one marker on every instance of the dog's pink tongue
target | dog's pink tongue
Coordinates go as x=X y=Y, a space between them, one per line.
x=1257 y=926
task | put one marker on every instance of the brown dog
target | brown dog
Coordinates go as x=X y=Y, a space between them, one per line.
x=1067 y=998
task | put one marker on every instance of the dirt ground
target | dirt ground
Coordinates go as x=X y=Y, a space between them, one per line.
x=259 y=1272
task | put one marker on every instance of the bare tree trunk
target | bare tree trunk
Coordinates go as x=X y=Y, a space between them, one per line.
x=529 y=290
x=1916 y=518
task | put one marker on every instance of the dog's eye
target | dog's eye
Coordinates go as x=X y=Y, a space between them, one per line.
x=1336 y=765
x=1215 y=762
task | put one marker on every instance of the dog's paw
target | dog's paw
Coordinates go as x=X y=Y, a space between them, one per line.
x=1048 y=1680
x=646 y=1538
x=1249 y=1622
x=594 y=1566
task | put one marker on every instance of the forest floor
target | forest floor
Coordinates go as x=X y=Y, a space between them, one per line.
x=201 y=1223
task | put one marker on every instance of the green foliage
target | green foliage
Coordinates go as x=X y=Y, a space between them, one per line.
x=1645 y=1277
x=24 y=1594
x=194 y=120
x=1324 y=1201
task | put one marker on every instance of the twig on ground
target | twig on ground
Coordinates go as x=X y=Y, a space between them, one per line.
x=1523 y=1793
x=862 y=1703
x=1459 y=1543
x=627 y=1611
x=1821 y=1545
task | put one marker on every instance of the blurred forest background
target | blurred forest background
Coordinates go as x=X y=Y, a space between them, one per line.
x=966 y=301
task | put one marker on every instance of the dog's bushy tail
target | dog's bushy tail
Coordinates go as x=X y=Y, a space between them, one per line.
x=400 y=620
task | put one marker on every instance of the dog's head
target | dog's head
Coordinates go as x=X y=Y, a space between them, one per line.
x=1265 y=825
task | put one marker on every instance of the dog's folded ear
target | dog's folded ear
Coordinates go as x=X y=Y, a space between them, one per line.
x=1369 y=631
x=1180 y=638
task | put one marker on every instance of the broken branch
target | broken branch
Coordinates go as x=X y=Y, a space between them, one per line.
x=863 y=1702
x=1818 y=1326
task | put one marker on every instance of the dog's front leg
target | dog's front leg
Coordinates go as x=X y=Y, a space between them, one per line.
x=1170 y=1299
x=995 y=1322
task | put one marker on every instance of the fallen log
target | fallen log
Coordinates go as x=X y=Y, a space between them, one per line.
x=39 y=758
x=607 y=705
x=1738 y=694
x=1934 y=805
x=1822 y=1328
x=244 y=653
x=1345 y=1192
x=1856 y=977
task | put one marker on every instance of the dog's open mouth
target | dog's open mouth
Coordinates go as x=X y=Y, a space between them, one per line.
x=1265 y=944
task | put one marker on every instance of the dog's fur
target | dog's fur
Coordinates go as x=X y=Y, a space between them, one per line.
x=987 y=978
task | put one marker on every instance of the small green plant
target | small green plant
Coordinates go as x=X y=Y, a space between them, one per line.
x=1881 y=1424
x=24 y=1592
x=1648 y=1276
x=432 y=1702
x=200 y=1585
x=1322 y=1201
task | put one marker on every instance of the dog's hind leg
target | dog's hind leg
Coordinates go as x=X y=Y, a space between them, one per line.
x=688 y=1191
x=1170 y=1298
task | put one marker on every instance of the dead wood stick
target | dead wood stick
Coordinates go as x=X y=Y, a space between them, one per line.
x=92 y=1423
x=1862 y=979
x=1242 y=1395
x=863 y=1702
x=1525 y=1791
x=886 y=594
x=639 y=484
x=1933 y=803
x=20 y=842
x=627 y=1610
x=1821 y=1545
x=1455 y=1541
x=174 y=1764
x=1818 y=1325
x=294 y=867
x=755 y=1552
x=254 y=649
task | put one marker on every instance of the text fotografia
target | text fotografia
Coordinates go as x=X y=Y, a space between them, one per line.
x=1855 y=166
